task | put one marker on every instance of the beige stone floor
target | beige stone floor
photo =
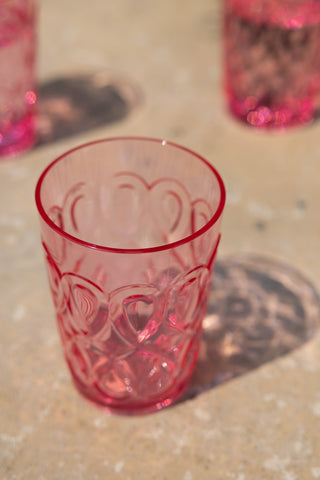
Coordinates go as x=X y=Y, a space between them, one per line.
x=262 y=425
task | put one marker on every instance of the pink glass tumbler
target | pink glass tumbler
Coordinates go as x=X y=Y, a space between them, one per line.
x=130 y=230
x=17 y=75
x=272 y=61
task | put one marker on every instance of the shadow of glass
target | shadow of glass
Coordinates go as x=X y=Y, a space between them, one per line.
x=259 y=309
x=71 y=105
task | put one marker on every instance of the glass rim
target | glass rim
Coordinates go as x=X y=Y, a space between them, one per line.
x=167 y=246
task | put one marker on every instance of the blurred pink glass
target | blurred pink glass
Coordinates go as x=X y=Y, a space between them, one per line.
x=17 y=75
x=130 y=230
x=272 y=61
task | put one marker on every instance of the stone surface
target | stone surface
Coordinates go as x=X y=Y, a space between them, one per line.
x=265 y=423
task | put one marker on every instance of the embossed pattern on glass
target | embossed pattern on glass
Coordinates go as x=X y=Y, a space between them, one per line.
x=272 y=61
x=130 y=230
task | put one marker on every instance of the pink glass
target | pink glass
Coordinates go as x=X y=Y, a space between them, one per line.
x=130 y=230
x=272 y=61
x=17 y=75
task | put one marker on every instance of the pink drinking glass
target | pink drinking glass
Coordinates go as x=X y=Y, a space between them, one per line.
x=130 y=230
x=17 y=75
x=272 y=61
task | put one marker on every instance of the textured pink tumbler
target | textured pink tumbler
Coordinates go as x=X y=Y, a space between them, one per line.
x=17 y=75
x=130 y=230
x=272 y=61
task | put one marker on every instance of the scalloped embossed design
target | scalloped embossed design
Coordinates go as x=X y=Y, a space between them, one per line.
x=136 y=345
x=148 y=215
x=131 y=345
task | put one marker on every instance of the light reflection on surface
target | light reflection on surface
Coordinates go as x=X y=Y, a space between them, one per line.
x=30 y=97
x=259 y=310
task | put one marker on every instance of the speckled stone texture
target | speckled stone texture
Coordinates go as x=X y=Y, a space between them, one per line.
x=261 y=424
